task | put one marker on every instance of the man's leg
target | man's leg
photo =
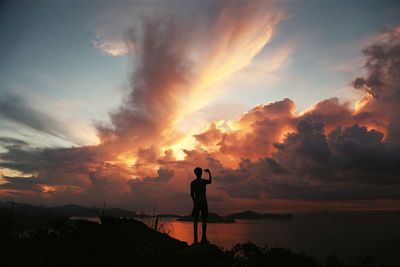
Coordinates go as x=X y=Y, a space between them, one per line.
x=195 y=221
x=204 y=215
x=204 y=231
x=195 y=214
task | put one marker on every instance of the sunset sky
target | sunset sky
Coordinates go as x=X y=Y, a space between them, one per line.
x=294 y=106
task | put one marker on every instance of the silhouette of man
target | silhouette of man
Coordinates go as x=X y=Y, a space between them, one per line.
x=198 y=194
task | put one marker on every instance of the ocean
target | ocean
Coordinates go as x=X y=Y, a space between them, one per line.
x=375 y=234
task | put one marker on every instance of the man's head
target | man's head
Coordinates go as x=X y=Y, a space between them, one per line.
x=198 y=171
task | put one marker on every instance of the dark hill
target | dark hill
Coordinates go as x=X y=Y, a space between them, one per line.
x=252 y=215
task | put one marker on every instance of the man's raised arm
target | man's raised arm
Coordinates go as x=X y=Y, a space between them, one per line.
x=209 y=181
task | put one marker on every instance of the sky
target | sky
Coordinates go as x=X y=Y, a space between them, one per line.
x=293 y=106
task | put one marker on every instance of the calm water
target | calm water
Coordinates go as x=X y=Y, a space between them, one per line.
x=375 y=234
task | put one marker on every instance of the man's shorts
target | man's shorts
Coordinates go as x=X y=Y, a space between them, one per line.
x=200 y=206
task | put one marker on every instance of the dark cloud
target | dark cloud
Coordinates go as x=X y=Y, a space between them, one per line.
x=63 y=166
x=25 y=184
x=15 y=108
x=12 y=142
x=332 y=113
x=21 y=159
x=382 y=65
x=306 y=151
x=24 y=180
x=383 y=82
x=364 y=155
x=351 y=155
x=350 y=163
x=163 y=175
x=250 y=179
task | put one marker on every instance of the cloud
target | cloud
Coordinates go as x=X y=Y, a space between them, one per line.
x=349 y=164
x=332 y=112
x=382 y=82
x=8 y=142
x=19 y=117
x=269 y=153
x=177 y=63
x=15 y=108
x=112 y=48
x=347 y=153
x=258 y=130
x=174 y=64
